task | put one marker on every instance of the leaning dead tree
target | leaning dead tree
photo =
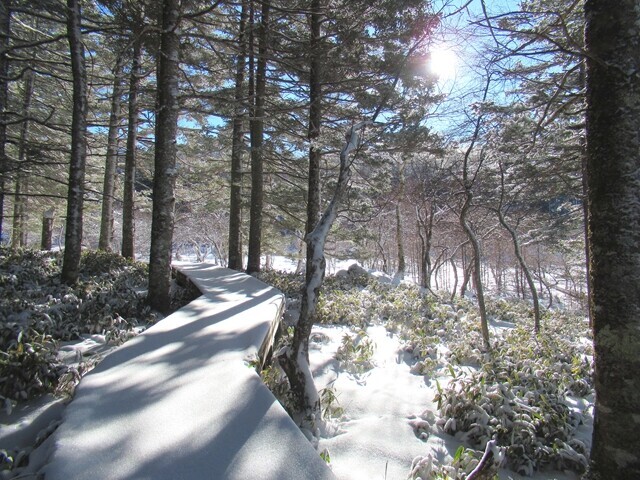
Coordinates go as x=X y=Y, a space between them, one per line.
x=294 y=359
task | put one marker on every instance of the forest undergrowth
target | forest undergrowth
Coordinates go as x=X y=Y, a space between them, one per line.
x=529 y=393
x=38 y=312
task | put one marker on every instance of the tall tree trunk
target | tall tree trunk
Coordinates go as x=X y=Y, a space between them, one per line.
x=454 y=269
x=425 y=232
x=613 y=179
x=295 y=359
x=164 y=176
x=467 y=184
x=585 y=188
x=75 y=197
x=105 y=241
x=399 y=237
x=5 y=27
x=19 y=233
x=235 y=198
x=315 y=118
x=128 y=200
x=525 y=271
x=257 y=139
x=47 y=229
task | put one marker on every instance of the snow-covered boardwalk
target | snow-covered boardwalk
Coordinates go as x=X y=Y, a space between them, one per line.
x=180 y=402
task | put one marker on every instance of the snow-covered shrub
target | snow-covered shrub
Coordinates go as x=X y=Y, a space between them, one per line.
x=518 y=397
x=512 y=310
x=536 y=428
x=290 y=284
x=329 y=403
x=28 y=363
x=463 y=463
x=37 y=311
x=346 y=307
x=355 y=352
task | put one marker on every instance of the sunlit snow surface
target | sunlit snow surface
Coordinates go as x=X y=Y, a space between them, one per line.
x=382 y=429
x=375 y=439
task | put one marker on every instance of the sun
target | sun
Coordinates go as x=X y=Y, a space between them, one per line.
x=442 y=63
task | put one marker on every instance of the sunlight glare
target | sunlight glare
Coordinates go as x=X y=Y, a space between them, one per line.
x=442 y=63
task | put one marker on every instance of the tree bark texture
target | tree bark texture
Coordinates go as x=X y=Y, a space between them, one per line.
x=476 y=268
x=75 y=196
x=105 y=241
x=295 y=360
x=402 y=266
x=47 y=229
x=235 y=199
x=613 y=179
x=19 y=233
x=425 y=232
x=128 y=200
x=164 y=176
x=315 y=118
x=257 y=140
x=5 y=27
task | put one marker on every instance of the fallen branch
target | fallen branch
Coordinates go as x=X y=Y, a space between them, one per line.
x=489 y=463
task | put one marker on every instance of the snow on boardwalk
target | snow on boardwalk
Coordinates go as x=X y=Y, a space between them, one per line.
x=179 y=401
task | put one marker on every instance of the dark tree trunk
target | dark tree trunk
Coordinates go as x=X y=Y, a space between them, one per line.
x=75 y=197
x=455 y=278
x=235 y=199
x=164 y=176
x=613 y=179
x=5 y=27
x=105 y=242
x=128 y=200
x=47 y=229
x=400 y=272
x=476 y=268
x=466 y=273
x=257 y=139
x=425 y=232
x=315 y=118
x=19 y=233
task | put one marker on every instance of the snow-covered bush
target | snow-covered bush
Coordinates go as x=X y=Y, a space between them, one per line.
x=518 y=397
x=28 y=363
x=37 y=311
x=290 y=284
x=513 y=310
x=463 y=463
x=355 y=352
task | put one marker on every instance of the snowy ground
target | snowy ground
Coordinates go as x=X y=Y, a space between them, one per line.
x=377 y=437
x=374 y=440
x=382 y=429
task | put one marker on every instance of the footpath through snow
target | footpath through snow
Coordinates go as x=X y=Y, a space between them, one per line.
x=180 y=402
